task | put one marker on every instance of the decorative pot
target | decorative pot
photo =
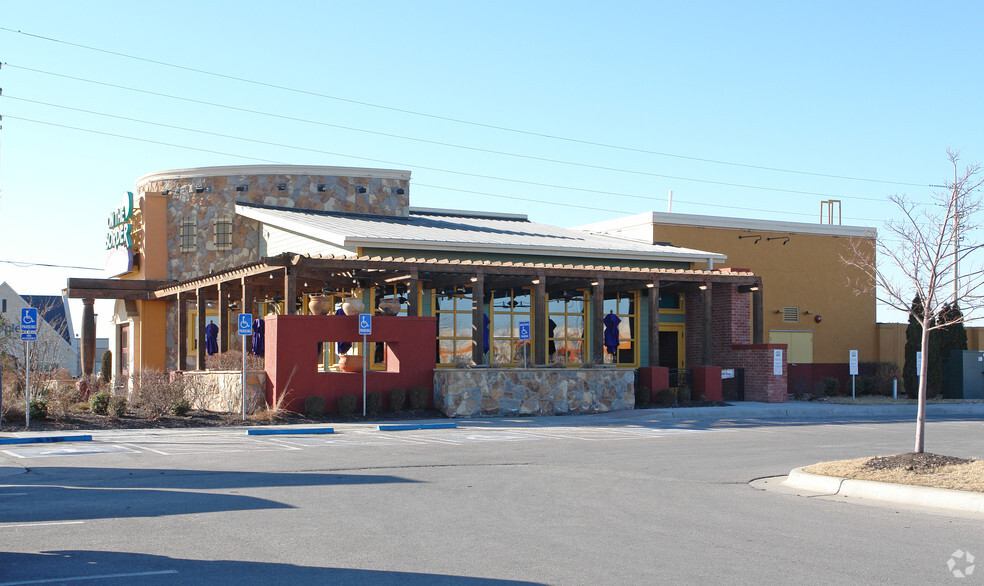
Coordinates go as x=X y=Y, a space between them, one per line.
x=319 y=305
x=389 y=306
x=353 y=306
x=347 y=363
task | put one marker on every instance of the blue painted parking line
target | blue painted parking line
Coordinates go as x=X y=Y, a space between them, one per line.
x=415 y=426
x=46 y=439
x=318 y=430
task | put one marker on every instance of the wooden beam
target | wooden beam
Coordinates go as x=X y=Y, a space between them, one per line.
x=478 y=319
x=540 y=325
x=201 y=304
x=597 y=320
x=707 y=335
x=654 y=323
x=182 y=301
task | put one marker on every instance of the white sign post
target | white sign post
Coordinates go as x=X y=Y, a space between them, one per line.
x=245 y=329
x=29 y=332
x=524 y=336
x=365 y=328
x=853 y=355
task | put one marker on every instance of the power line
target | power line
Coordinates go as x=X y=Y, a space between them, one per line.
x=399 y=164
x=542 y=159
x=456 y=120
x=24 y=264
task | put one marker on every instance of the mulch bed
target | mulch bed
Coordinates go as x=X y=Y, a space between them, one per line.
x=913 y=462
x=195 y=419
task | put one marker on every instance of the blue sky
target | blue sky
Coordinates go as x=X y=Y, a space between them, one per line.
x=755 y=109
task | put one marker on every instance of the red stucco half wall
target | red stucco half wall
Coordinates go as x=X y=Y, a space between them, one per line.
x=291 y=357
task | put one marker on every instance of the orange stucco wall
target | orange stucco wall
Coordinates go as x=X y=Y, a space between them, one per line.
x=806 y=272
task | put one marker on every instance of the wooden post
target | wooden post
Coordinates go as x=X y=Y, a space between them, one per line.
x=597 y=320
x=413 y=286
x=707 y=338
x=202 y=305
x=757 y=316
x=88 y=341
x=654 y=323
x=223 y=316
x=541 y=321
x=182 y=302
x=478 y=319
x=290 y=292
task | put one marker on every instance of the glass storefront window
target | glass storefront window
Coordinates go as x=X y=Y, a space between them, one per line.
x=565 y=327
x=509 y=308
x=453 y=309
x=621 y=328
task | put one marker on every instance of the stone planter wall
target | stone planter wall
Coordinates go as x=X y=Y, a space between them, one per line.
x=474 y=392
x=221 y=390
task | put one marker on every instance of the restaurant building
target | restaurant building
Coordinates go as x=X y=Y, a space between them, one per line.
x=453 y=294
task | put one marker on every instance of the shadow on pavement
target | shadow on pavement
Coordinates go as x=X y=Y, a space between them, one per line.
x=126 y=568
x=70 y=494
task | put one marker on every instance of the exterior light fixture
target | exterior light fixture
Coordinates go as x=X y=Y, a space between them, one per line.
x=757 y=237
x=535 y=281
x=650 y=285
x=361 y=190
x=702 y=287
x=473 y=279
x=785 y=239
x=321 y=188
x=242 y=187
x=594 y=283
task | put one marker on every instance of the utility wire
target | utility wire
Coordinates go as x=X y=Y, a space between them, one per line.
x=542 y=159
x=398 y=164
x=24 y=264
x=454 y=120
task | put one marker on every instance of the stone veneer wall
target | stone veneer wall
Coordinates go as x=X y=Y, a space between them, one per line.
x=471 y=392
x=218 y=198
x=222 y=390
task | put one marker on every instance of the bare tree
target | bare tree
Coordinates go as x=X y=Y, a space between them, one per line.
x=920 y=255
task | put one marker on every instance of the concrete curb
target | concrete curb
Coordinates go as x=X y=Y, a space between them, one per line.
x=903 y=494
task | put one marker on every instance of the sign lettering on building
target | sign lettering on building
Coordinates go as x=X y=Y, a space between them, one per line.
x=119 y=228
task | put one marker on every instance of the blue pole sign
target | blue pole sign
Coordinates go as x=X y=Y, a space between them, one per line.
x=524 y=330
x=29 y=319
x=245 y=324
x=365 y=324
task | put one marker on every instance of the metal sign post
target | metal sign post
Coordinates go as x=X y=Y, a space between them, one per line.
x=245 y=329
x=524 y=335
x=29 y=333
x=365 y=328
x=853 y=359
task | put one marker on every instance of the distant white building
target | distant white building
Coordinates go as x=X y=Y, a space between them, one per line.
x=56 y=344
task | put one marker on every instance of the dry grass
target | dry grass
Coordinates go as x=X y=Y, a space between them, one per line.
x=968 y=476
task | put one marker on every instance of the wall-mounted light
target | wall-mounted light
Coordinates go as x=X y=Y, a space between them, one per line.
x=200 y=189
x=702 y=287
x=473 y=279
x=594 y=283
x=242 y=188
x=165 y=191
x=281 y=186
x=399 y=191
x=757 y=237
x=650 y=285
x=321 y=188
x=361 y=190
x=784 y=239
x=535 y=281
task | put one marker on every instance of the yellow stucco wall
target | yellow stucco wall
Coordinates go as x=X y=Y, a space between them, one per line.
x=806 y=272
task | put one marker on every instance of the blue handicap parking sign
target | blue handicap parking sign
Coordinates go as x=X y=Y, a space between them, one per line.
x=365 y=324
x=29 y=319
x=524 y=330
x=245 y=324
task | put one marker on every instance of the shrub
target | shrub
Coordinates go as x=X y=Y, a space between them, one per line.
x=666 y=396
x=642 y=397
x=233 y=360
x=39 y=409
x=117 y=406
x=418 y=398
x=99 y=403
x=314 y=406
x=831 y=386
x=374 y=403
x=684 y=394
x=864 y=385
x=87 y=386
x=398 y=397
x=155 y=391
x=181 y=407
x=106 y=372
x=347 y=404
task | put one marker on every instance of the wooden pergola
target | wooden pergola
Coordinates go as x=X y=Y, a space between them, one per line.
x=289 y=276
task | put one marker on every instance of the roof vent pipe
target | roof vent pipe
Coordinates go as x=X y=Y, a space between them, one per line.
x=669 y=203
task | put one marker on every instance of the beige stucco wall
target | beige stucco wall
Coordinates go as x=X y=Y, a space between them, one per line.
x=806 y=272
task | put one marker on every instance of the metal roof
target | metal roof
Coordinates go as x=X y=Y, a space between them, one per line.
x=456 y=232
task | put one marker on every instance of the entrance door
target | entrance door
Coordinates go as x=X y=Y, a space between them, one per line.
x=123 y=352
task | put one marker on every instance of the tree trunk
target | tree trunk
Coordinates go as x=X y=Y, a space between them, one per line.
x=923 y=382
